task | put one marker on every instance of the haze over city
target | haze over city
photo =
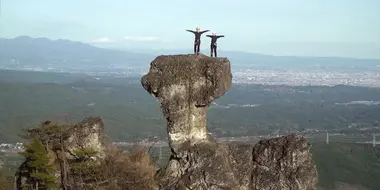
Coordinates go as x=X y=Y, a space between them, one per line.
x=343 y=28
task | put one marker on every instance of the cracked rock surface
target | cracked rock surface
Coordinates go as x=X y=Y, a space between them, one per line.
x=283 y=163
x=185 y=85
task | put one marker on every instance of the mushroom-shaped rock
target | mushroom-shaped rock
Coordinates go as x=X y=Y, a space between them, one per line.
x=185 y=85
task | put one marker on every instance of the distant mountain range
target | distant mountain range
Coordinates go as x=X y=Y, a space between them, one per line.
x=248 y=59
x=46 y=53
x=43 y=53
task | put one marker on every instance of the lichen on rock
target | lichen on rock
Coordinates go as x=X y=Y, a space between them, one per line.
x=88 y=133
x=185 y=85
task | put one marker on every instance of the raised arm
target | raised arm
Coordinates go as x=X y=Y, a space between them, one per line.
x=220 y=36
x=209 y=36
x=190 y=31
x=204 y=31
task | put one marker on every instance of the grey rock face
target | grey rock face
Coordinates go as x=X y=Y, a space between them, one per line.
x=87 y=134
x=185 y=85
x=282 y=163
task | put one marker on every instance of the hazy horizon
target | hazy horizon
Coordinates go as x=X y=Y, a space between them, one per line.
x=204 y=50
x=319 y=28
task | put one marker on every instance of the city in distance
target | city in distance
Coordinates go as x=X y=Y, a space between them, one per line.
x=42 y=54
x=65 y=81
x=270 y=93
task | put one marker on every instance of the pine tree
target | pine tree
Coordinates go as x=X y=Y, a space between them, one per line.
x=38 y=163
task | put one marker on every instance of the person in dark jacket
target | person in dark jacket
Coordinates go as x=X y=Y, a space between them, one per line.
x=197 y=41
x=213 y=45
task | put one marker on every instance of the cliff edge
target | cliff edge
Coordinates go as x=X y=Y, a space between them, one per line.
x=185 y=85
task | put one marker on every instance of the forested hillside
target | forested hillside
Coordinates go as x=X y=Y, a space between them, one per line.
x=131 y=113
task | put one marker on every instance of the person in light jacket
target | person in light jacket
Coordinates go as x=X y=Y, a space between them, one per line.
x=197 y=41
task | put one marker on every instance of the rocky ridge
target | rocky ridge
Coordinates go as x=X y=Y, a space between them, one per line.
x=185 y=85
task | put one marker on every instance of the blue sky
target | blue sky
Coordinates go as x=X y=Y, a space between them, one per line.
x=280 y=27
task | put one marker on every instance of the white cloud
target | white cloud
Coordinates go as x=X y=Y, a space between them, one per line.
x=102 y=40
x=141 y=38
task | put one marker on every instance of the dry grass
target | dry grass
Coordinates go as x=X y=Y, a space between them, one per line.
x=128 y=170
x=6 y=182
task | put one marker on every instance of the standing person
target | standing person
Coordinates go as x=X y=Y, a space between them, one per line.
x=197 y=41
x=213 y=45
